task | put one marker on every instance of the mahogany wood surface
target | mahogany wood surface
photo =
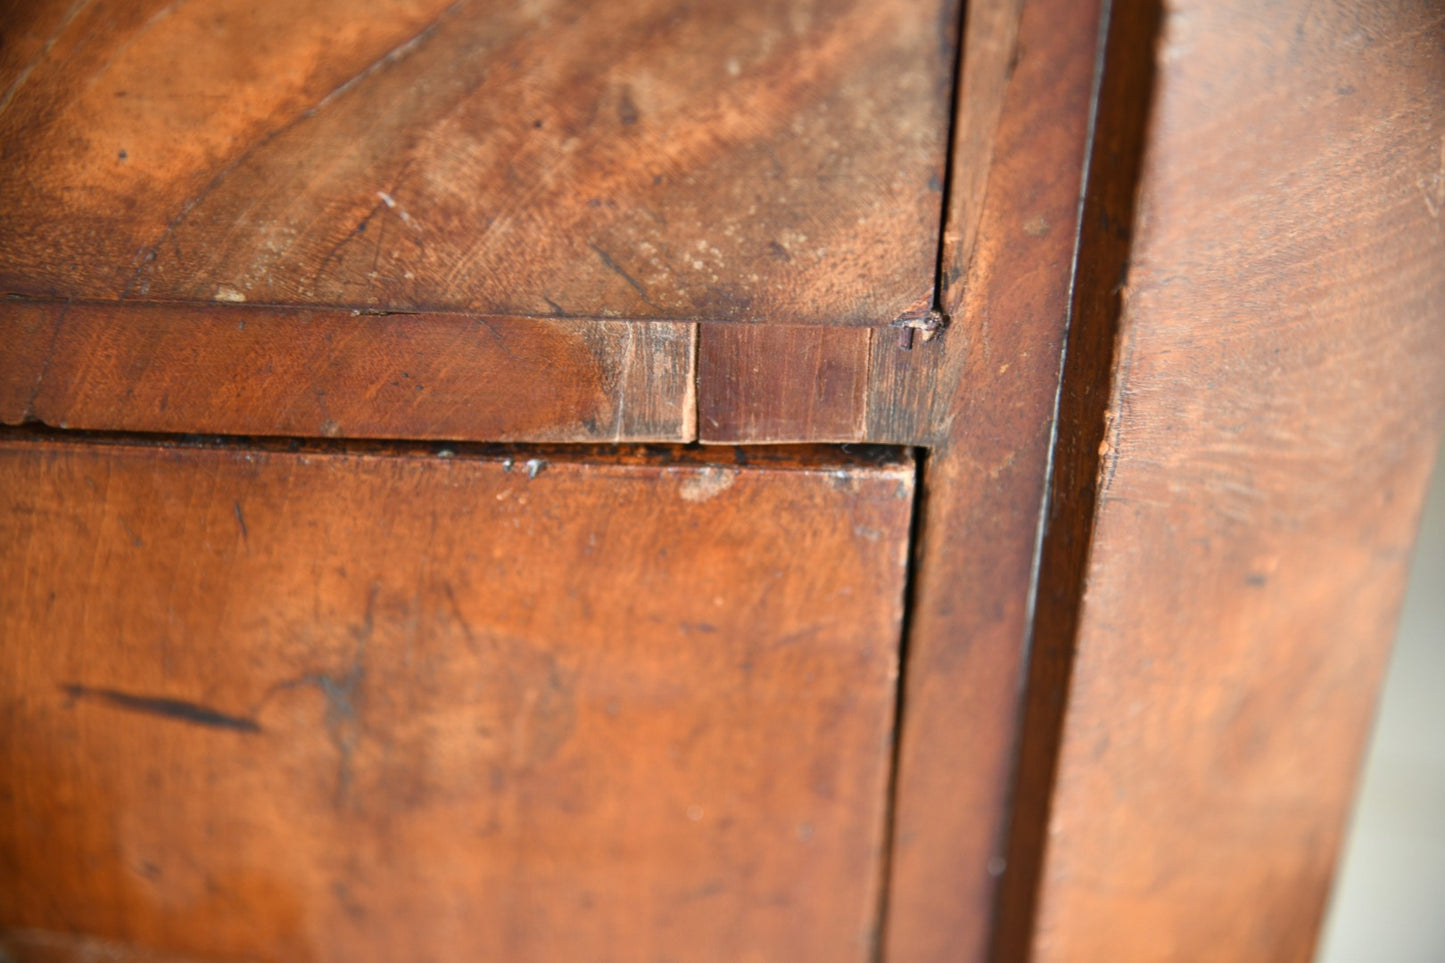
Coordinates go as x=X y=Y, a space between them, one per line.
x=1278 y=394
x=380 y=705
x=247 y=370
x=748 y=161
x=762 y=384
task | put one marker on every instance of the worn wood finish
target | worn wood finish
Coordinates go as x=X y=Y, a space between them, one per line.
x=767 y=384
x=295 y=705
x=983 y=395
x=751 y=161
x=1279 y=394
x=261 y=371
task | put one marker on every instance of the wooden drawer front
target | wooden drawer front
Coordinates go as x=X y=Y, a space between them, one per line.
x=259 y=704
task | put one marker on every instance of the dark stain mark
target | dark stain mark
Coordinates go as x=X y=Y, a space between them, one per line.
x=709 y=889
x=778 y=251
x=543 y=705
x=177 y=709
x=1257 y=580
x=457 y=616
x=778 y=169
x=626 y=109
x=130 y=533
x=123 y=155
x=616 y=269
x=343 y=724
x=340 y=689
x=241 y=521
x=348 y=901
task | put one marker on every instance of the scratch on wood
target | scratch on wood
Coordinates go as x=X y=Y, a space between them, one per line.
x=146 y=259
x=178 y=709
x=1433 y=187
x=616 y=269
x=29 y=414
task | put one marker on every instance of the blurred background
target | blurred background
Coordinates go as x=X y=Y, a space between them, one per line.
x=1389 y=899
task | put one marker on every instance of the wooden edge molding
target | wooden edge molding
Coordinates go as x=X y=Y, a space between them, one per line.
x=982 y=396
x=1106 y=231
x=264 y=371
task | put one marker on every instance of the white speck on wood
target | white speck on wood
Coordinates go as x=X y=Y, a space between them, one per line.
x=706 y=484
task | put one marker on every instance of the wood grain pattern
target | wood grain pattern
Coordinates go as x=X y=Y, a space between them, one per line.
x=768 y=384
x=754 y=161
x=982 y=396
x=262 y=371
x=1280 y=391
x=366 y=706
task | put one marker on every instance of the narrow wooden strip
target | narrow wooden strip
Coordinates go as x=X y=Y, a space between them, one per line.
x=243 y=370
x=992 y=29
x=985 y=390
x=766 y=384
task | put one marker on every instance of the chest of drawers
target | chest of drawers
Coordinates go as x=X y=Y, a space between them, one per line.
x=658 y=481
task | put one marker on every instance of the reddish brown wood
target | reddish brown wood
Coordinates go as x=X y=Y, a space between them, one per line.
x=1105 y=236
x=991 y=27
x=262 y=371
x=1279 y=392
x=983 y=396
x=748 y=161
x=767 y=384
x=334 y=706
